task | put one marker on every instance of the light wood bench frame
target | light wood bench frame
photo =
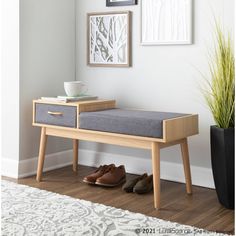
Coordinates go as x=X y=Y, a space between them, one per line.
x=175 y=132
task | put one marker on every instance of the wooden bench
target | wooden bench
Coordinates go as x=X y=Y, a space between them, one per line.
x=62 y=120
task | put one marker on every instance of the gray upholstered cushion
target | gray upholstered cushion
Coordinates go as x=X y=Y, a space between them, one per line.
x=132 y=122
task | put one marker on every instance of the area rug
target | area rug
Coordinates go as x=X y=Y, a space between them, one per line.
x=30 y=211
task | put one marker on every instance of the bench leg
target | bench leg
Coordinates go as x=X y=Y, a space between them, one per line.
x=42 y=147
x=187 y=171
x=156 y=174
x=75 y=154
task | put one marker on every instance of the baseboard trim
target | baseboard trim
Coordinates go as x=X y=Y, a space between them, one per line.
x=52 y=161
x=25 y=168
x=169 y=171
x=9 y=168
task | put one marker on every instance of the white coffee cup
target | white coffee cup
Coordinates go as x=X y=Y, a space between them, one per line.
x=74 y=88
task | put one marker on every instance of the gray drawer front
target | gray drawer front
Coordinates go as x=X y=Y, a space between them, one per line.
x=68 y=118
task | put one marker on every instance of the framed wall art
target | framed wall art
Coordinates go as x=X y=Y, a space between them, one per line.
x=112 y=3
x=166 y=22
x=109 y=39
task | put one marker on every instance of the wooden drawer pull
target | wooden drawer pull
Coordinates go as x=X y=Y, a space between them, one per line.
x=55 y=113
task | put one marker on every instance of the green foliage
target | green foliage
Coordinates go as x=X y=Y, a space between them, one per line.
x=220 y=89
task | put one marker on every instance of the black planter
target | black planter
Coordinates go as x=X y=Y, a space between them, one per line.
x=222 y=159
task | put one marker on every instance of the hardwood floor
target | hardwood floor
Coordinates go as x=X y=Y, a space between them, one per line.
x=200 y=209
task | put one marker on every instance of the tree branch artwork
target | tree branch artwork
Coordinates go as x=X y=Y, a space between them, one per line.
x=108 y=39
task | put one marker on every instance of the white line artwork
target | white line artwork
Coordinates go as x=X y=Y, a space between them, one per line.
x=166 y=22
x=108 y=39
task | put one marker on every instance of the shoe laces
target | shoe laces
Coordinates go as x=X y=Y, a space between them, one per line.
x=111 y=169
x=101 y=168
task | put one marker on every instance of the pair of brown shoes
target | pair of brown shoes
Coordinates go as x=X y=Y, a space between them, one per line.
x=141 y=184
x=107 y=175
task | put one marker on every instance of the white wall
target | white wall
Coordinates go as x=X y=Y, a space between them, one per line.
x=10 y=85
x=162 y=78
x=47 y=59
x=42 y=35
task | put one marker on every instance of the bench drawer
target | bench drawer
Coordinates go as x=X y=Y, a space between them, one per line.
x=59 y=115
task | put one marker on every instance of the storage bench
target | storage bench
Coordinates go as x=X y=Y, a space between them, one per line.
x=100 y=121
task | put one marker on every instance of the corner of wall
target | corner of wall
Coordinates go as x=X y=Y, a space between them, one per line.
x=9 y=167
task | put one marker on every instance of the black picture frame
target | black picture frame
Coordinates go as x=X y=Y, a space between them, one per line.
x=121 y=3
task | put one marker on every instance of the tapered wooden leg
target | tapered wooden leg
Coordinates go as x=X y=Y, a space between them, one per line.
x=43 y=142
x=187 y=171
x=156 y=174
x=75 y=154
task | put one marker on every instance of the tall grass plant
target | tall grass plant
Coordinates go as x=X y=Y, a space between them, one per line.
x=219 y=92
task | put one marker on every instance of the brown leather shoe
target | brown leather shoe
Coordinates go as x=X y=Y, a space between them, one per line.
x=114 y=177
x=91 y=179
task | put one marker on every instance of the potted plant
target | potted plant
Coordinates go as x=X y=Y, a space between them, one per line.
x=220 y=97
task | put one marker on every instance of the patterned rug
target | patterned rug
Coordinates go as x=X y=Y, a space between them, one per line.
x=30 y=211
